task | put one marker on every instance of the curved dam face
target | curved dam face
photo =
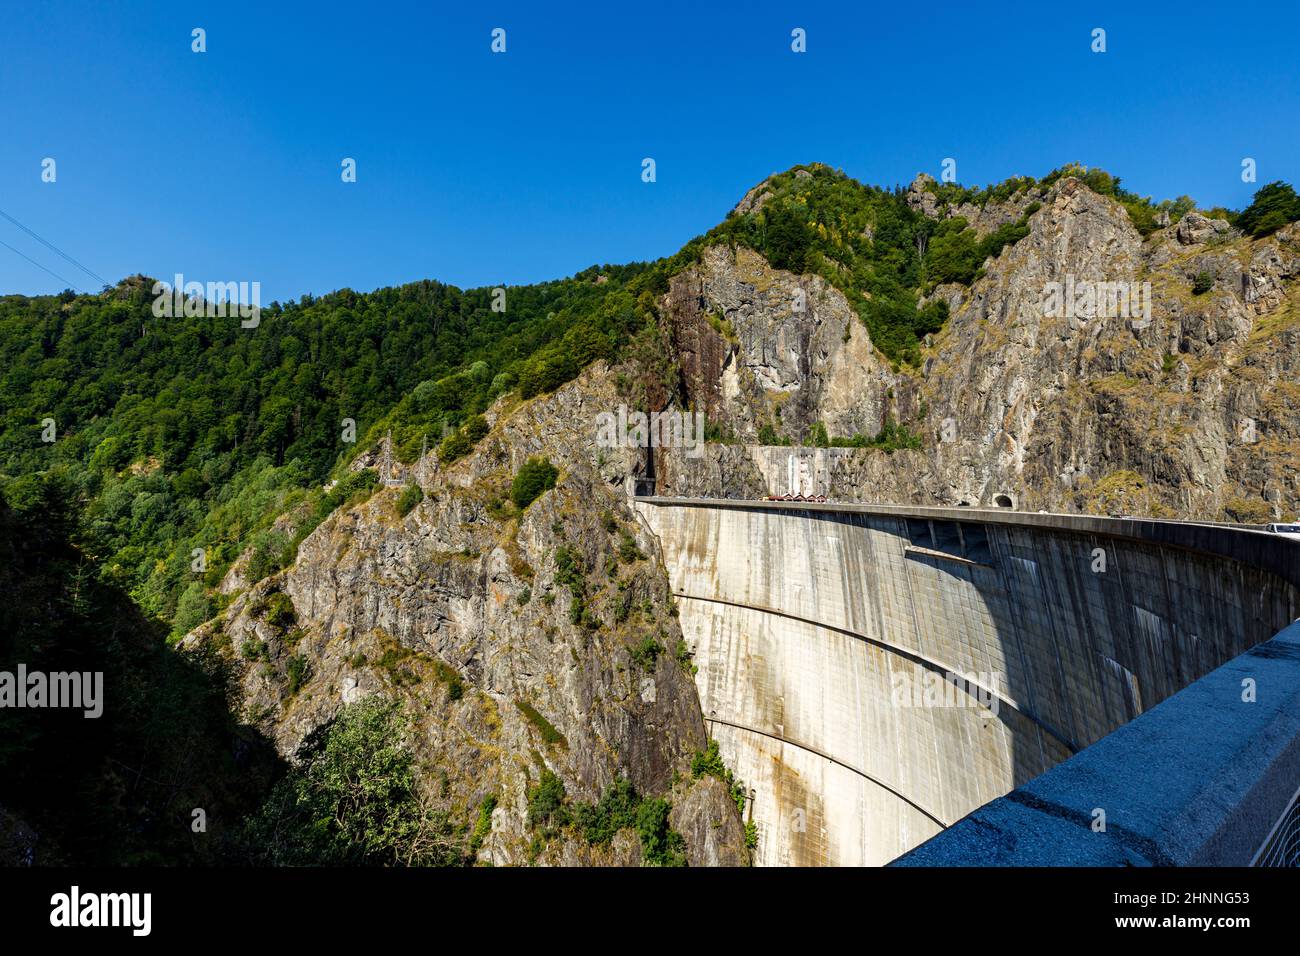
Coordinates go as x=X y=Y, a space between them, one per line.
x=875 y=673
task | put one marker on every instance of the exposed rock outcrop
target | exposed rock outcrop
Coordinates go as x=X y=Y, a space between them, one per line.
x=1163 y=400
x=760 y=347
x=519 y=642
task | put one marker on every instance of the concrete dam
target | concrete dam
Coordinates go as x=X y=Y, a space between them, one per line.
x=876 y=673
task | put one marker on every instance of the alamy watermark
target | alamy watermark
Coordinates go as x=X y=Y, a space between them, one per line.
x=667 y=429
x=1085 y=299
x=75 y=908
x=215 y=300
x=929 y=688
x=78 y=690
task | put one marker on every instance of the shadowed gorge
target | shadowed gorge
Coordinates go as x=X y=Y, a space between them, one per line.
x=121 y=787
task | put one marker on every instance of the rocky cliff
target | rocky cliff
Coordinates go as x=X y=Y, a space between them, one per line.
x=545 y=641
x=519 y=642
x=1173 y=392
x=758 y=347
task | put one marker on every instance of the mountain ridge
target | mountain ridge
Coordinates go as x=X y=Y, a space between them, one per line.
x=897 y=344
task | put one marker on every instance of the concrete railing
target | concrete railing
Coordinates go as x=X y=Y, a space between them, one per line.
x=1203 y=778
x=805 y=620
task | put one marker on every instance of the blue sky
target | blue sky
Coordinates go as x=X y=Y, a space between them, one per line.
x=477 y=169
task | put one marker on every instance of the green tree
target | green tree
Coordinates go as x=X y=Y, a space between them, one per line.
x=787 y=237
x=1273 y=207
x=535 y=476
x=546 y=806
x=353 y=800
x=411 y=496
x=192 y=609
x=953 y=254
x=660 y=844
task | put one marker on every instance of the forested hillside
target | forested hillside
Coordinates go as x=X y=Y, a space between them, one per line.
x=185 y=433
x=123 y=787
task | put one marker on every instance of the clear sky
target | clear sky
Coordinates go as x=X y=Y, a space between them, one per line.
x=478 y=168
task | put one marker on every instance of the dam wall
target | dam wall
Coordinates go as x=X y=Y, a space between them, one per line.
x=1208 y=777
x=875 y=673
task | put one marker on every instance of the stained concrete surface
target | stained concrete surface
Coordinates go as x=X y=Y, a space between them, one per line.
x=808 y=622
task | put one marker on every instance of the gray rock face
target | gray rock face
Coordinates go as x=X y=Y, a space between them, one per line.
x=714 y=837
x=1194 y=228
x=1002 y=358
x=464 y=612
x=759 y=347
x=1144 y=411
x=754 y=199
x=921 y=196
x=1155 y=401
x=753 y=471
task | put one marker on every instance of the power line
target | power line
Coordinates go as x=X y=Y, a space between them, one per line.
x=66 y=283
x=98 y=278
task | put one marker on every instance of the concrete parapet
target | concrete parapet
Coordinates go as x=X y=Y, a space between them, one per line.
x=1199 y=780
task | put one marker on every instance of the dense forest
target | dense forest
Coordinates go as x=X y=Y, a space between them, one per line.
x=185 y=433
x=128 y=442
